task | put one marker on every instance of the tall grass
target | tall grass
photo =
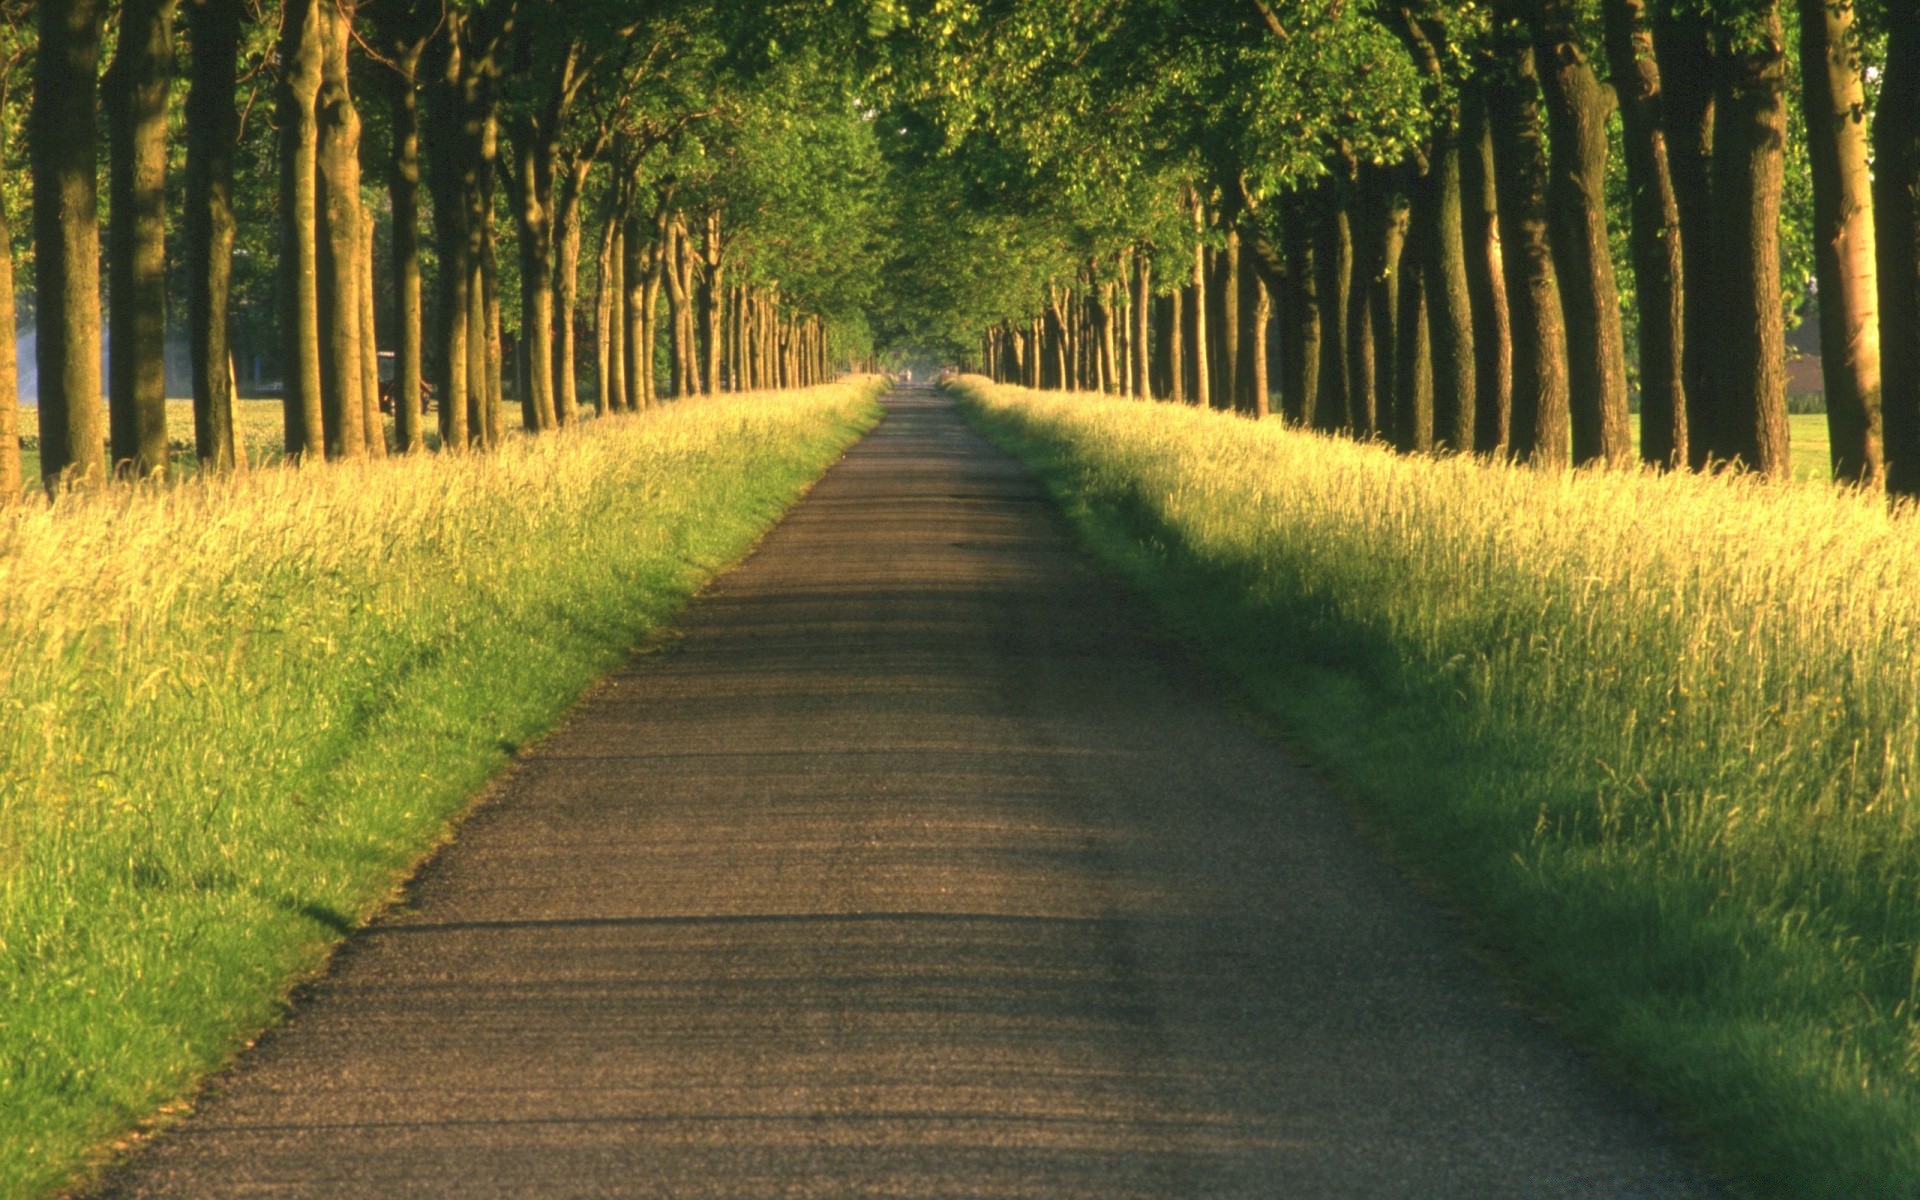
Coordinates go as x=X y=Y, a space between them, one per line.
x=234 y=713
x=1657 y=734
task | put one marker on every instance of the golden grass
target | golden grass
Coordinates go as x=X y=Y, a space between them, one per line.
x=234 y=711
x=1660 y=732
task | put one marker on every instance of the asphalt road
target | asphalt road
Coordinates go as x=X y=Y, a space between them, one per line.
x=913 y=867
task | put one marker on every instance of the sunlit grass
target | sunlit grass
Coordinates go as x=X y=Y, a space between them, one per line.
x=1657 y=734
x=233 y=713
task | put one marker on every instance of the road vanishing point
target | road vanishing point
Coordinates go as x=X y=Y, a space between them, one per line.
x=913 y=865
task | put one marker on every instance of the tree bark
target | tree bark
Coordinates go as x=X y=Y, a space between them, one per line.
x=338 y=206
x=1333 y=256
x=1486 y=283
x=1384 y=301
x=1449 y=299
x=375 y=425
x=1142 y=299
x=135 y=90
x=1749 y=173
x=11 y=482
x=1255 y=313
x=1896 y=213
x=1539 y=420
x=1577 y=109
x=1300 y=321
x=1199 y=364
x=1834 y=102
x=1226 y=284
x=1654 y=237
x=302 y=52
x=612 y=397
x=712 y=290
x=1687 y=115
x=1413 y=331
x=403 y=192
x=213 y=137
x=450 y=155
x=1372 y=408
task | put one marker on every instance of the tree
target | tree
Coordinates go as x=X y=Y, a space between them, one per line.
x=66 y=234
x=213 y=134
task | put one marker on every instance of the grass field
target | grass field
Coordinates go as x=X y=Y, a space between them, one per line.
x=1656 y=736
x=234 y=714
x=261 y=426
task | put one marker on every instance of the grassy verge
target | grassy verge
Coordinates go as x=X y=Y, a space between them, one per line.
x=234 y=715
x=1657 y=736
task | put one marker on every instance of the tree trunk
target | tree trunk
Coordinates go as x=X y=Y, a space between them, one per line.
x=1749 y=173
x=1372 y=226
x=1142 y=299
x=338 y=206
x=302 y=52
x=213 y=136
x=1449 y=299
x=1538 y=432
x=1654 y=235
x=1896 y=214
x=1413 y=333
x=566 y=297
x=1834 y=102
x=531 y=190
x=375 y=424
x=1577 y=109
x=608 y=360
x=1687 y=115
x=404 y=194
x=450 y=158
x=1226 y=283
x=1255 y=311
x=135 y=89
x=11 y=483
x=1486 y=284
x=1200 y=365
x=1384 y=305
x=1334 y=256
x=1300 y=322
x=712 y=323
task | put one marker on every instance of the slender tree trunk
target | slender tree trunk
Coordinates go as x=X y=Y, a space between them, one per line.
x=403 y=193
x=1687 y=116
x=338 y=206
x=1255 y=310
x=566 y=300
x=531 y=175
x=450 y=160
x=678 y=361
x=1142 y=299
x=1413 y=332
x=1449 y=298
x=1834 y=102
x=1371 y=408
x=1226 y=283
x=1384 y=305
x=1300 y=332
x=712 y=322
x=135 y=90
x=213 y=136
x=1654 y=234
x=1486 y=283
x=11 y=483
x=613 y=320
x=1896 y=214
x=302 y=51
x=1334 y=256
x=1749 y=173
x=1201 y=365
x=1577 y=109
x=1539 y=425
x=376 y=425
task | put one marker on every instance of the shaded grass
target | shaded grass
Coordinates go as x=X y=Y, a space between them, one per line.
x=234 y=714
x=1655 y=735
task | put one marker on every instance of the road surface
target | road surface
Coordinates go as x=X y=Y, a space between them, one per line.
x=913 y=866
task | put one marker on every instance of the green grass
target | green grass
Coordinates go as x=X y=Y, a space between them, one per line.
x=235 y=714
x=1657 y=736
